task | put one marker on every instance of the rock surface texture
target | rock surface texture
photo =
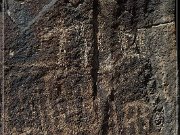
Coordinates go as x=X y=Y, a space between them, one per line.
x=1 y=62
x=90 y=67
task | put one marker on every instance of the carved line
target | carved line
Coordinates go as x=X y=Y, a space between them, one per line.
x=136 y=105
x=157 y=25
x=95 y=58
x=41 y=13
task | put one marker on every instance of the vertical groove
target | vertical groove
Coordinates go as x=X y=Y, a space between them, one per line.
x=95 y=59
x=105 y=124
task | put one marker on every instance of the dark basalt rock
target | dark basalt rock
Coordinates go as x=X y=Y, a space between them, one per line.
x=90 y=67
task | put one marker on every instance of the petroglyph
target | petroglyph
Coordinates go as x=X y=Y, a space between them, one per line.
x=136 y=115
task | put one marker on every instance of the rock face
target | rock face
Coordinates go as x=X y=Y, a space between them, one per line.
x=1 y=61
x=90 y=67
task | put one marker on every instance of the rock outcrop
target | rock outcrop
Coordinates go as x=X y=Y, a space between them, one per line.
x=90 y=67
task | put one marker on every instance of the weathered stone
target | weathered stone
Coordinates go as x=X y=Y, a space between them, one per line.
x=90 y=67
x=1 y=62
